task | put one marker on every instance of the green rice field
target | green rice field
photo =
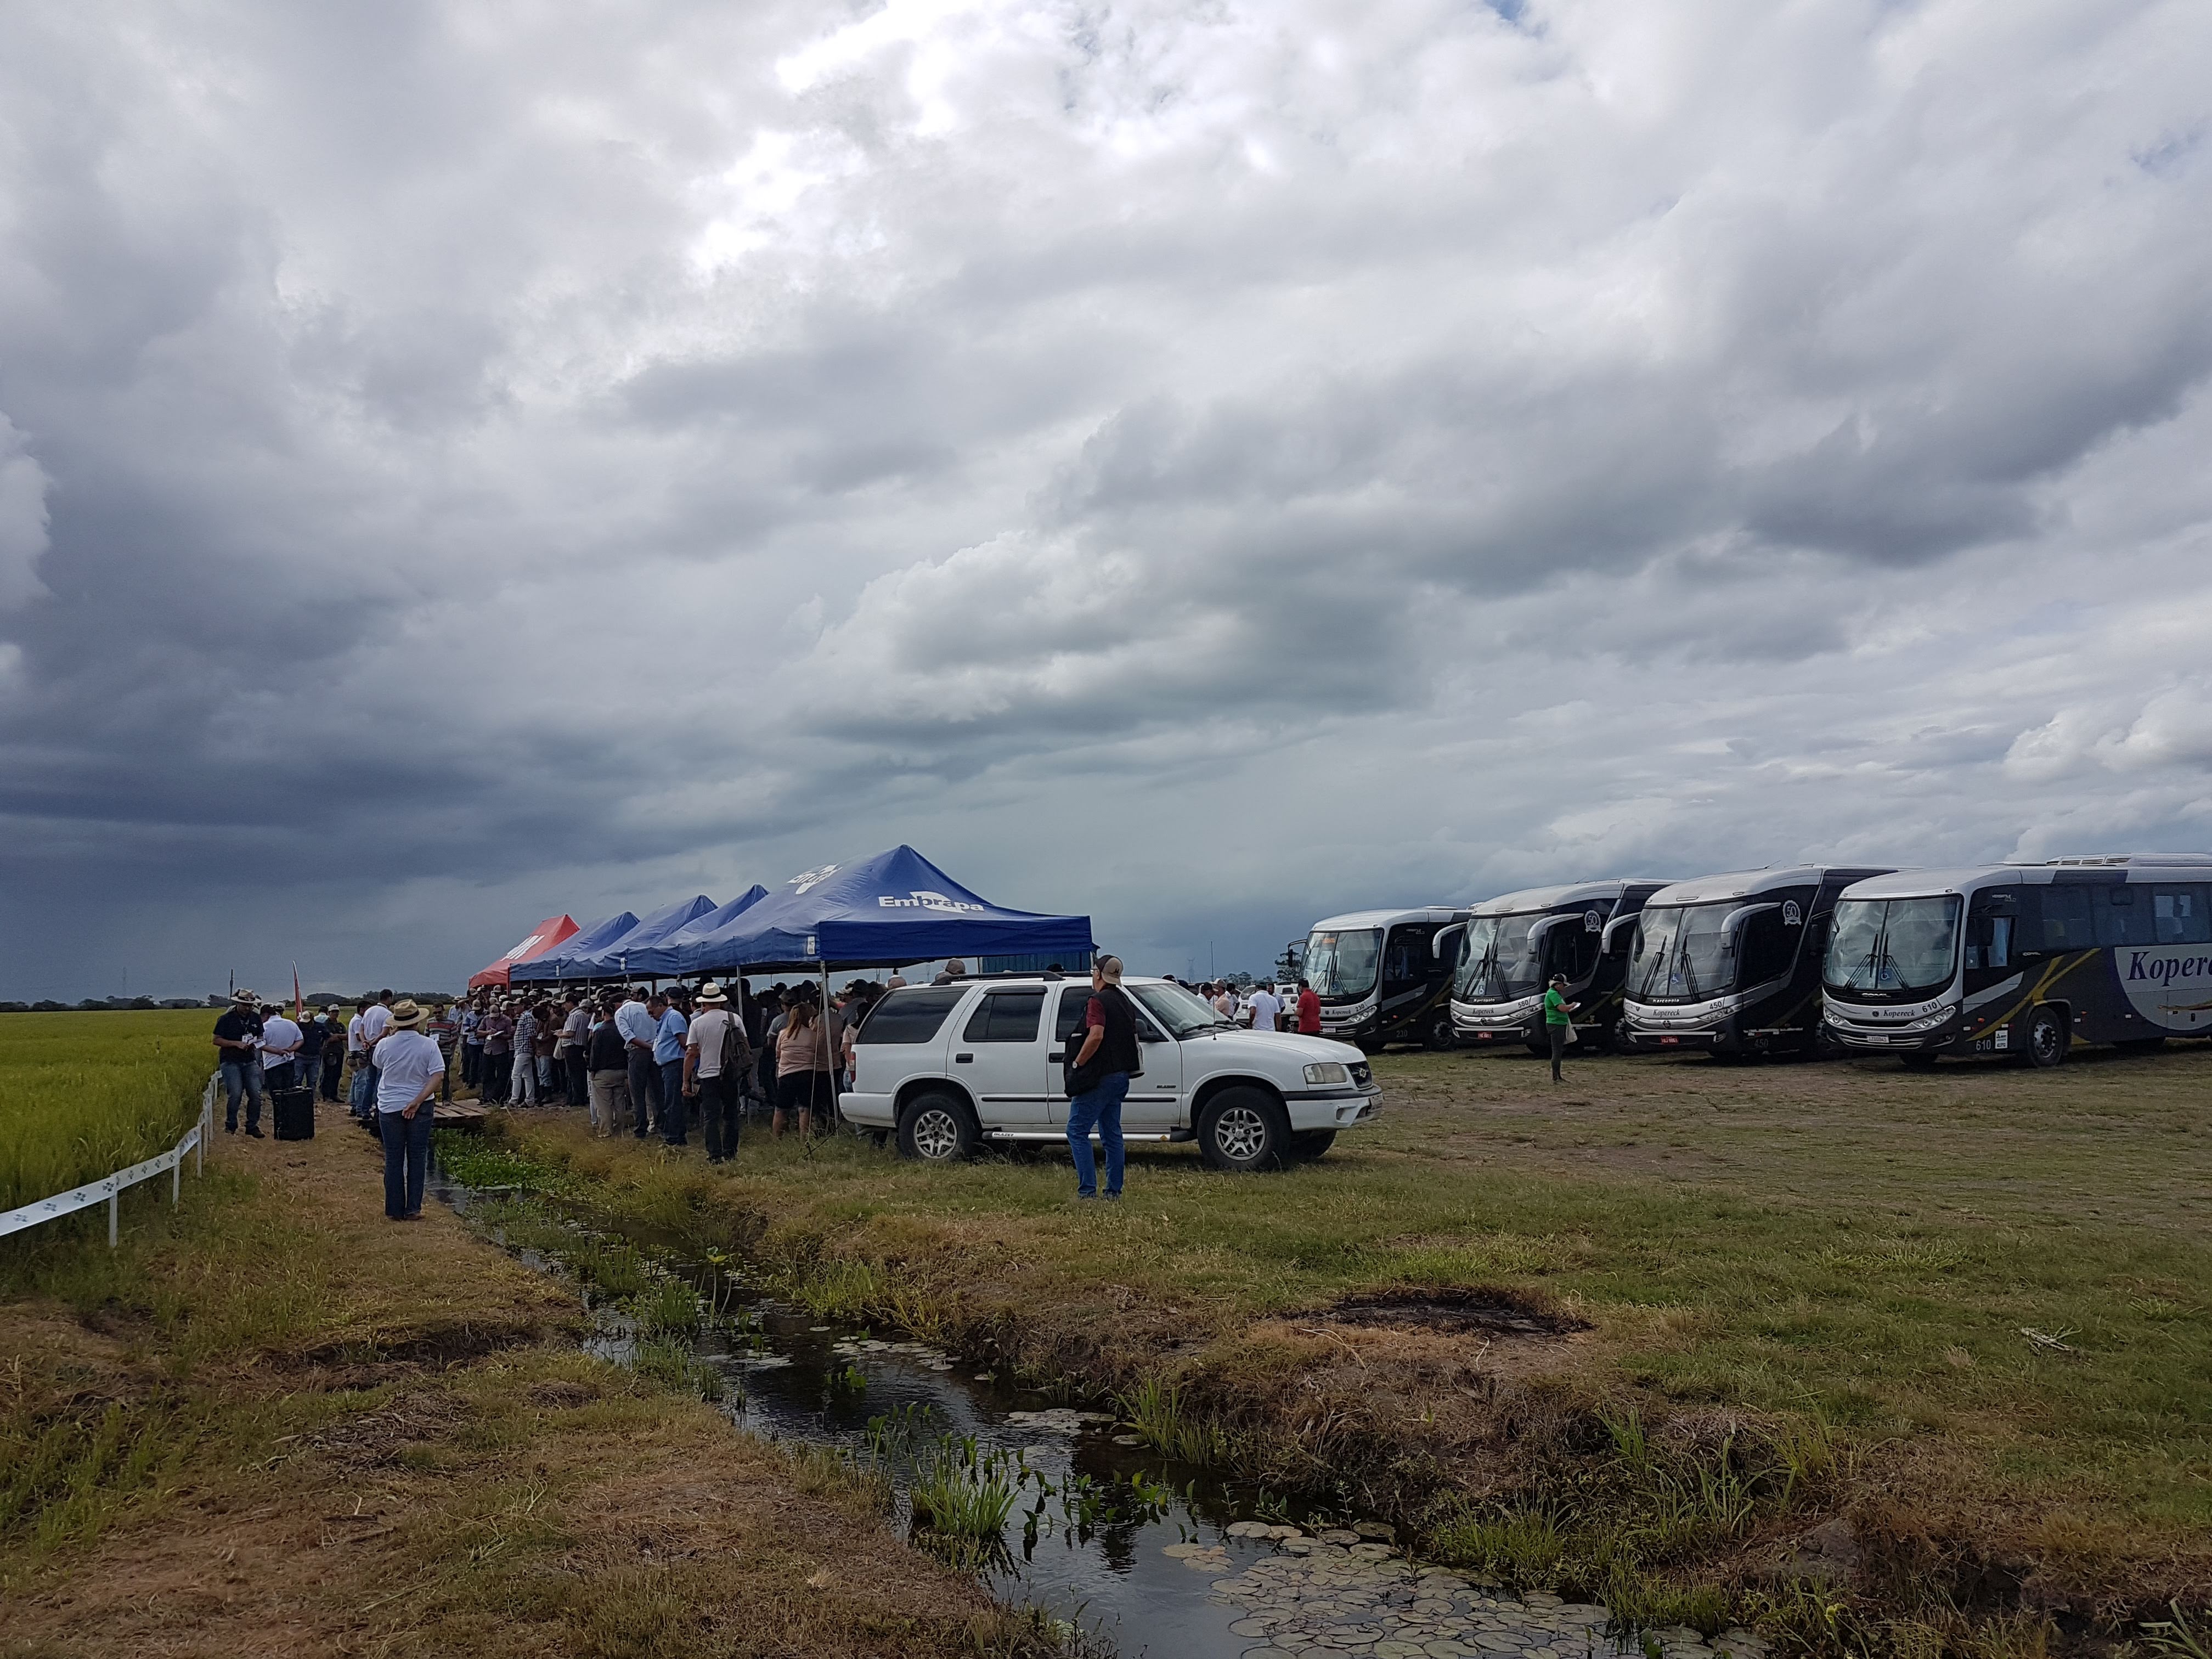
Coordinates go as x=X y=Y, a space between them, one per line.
x=84 y=1094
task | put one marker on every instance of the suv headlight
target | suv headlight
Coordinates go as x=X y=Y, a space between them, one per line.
x=1327 y=1071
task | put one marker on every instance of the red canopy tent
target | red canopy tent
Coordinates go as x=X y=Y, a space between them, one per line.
x=542 y=938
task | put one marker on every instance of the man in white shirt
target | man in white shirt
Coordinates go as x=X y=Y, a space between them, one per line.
x=639 y=1031
x=280 y=1050
x=409 y=1068
x=375 y=1021
x=1266 y=1007
x=713 y=1030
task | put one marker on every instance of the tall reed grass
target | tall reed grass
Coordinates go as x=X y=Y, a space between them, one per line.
x=82 y=1095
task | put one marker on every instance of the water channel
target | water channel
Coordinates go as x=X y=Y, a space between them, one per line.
x=1142 y=1555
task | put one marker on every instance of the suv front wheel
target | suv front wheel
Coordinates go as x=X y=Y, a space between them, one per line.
x=937 y=1128
x=1244 y=1130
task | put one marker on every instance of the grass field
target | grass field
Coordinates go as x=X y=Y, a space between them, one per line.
x=1970 y=1311
x=273 y=1422
x=84 y=1094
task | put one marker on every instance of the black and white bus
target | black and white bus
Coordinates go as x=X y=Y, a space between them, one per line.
x=1515 y=943
x=2023 y=959
x=1730 y=964
x=1385 y=976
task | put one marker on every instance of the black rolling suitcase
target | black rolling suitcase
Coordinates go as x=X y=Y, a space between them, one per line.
x=294 y=1112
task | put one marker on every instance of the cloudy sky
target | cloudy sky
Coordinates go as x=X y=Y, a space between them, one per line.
x=1207 y=465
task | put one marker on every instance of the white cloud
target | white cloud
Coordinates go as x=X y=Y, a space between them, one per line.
x=1288 y=455
x=23 y=519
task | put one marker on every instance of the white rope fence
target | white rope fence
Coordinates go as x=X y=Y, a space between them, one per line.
x=108 y=1189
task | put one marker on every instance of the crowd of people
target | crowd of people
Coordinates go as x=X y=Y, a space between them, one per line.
x=1269 y=1011
x=642 y=1061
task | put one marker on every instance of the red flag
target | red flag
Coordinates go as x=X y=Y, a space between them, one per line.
x=299 y=1008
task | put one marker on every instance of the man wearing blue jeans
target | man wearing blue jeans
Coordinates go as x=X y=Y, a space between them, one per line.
x=409 y=1068
x=1098 y=1078
x=668 y=1027
x=238 y=1054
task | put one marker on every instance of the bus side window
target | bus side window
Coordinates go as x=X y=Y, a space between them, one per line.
x=1767 y=947
x=2120 y=919
x=1406 y=960
x=1990 y=931
x=2179 y=914
x=2066 y=918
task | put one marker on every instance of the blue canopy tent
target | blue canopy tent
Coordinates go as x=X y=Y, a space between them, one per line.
x=887 y=911
x=617 y=959
x=555 y=963
x=679 y=953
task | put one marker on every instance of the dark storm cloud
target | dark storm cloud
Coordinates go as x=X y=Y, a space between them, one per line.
x=459 y=464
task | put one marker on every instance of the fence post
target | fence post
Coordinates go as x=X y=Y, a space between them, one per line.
x=176 y=1184
x=114 y=1210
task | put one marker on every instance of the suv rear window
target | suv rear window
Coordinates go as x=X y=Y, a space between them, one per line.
x=911 y=1013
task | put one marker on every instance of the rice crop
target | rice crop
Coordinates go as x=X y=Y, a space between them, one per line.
x=82 y=1095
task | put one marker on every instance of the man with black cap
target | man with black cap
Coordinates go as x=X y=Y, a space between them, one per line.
x=1098 y=1076
x=1558 y=1019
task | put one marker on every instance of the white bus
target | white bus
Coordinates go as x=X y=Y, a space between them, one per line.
x=2023 y=960
x=1515 y=942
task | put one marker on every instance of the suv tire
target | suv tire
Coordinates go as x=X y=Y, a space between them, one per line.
x=1311 y=1143
x=1243 y=1130
x=2050 y=1034
x=937 y=1127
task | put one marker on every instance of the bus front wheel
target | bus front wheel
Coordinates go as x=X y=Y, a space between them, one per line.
x=2048 y=1038
x=1440 y=1036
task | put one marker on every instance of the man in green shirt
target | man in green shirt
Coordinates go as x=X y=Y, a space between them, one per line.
x=1558 y=1019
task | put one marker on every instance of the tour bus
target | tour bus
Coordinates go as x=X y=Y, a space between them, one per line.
x=1730 y=965
x=1385 y=976
x=1515 y=943
x=2023 y=959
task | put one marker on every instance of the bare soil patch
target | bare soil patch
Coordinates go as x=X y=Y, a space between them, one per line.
x=1451 y=1310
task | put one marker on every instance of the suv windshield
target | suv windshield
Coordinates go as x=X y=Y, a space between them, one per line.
x=1495 y=962
x=1905 y=946
x=1183 y=1014
x=1680 y=953
x=1340 y=965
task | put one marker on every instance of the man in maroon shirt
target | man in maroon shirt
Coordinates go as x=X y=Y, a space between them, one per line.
x=1309 y=1011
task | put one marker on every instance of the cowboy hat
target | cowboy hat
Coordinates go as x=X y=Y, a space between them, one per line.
x=407 y=1014
x=710 y=994
x=245 y=996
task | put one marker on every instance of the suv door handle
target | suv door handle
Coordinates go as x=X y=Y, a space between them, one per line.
x=962 y=1060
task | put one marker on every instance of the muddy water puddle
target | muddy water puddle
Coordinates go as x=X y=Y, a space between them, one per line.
x=1139 y=1554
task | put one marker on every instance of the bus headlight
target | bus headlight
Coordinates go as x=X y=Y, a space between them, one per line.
x=1327 y=1071
x=1931 y=1023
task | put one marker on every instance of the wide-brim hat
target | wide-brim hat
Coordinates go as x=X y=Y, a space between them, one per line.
x=711 y=994
x=245 y=996
x=407 y=1014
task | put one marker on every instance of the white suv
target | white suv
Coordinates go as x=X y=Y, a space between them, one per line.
x=946 y=1067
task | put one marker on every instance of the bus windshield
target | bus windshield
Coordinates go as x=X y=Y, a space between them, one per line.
x=1495 y=962
x=1894 y=945
x=1339 y=965
x=1680 y=953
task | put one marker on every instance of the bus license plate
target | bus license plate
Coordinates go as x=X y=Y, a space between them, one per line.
x=1669 y=1042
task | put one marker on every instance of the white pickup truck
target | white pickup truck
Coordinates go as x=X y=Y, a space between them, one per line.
x=947 y=1067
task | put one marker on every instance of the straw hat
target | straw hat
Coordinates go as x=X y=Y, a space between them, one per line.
x=407 y=1015
x=242 y=995
x=710 y=996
